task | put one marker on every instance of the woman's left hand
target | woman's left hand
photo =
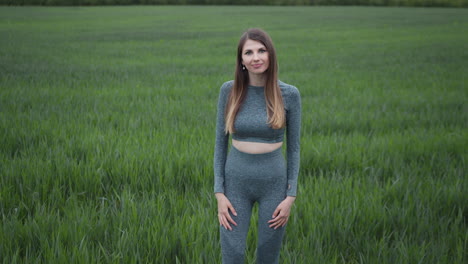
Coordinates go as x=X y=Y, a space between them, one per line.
x=281 y=214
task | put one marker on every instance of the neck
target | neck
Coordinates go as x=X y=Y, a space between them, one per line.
x=257 y=79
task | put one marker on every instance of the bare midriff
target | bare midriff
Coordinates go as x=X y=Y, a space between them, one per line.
x=255 y=147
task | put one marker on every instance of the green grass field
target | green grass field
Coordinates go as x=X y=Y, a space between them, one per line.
x=107 y=118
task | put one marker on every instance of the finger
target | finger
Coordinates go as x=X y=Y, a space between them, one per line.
x=282 y=224
x=229 y=219
x=273 y=220
x=277 y=217
x=276 y=221
x=232 y=210
x=226 y=221
x=279 y=225
x=226 y=224
x=276 y=212
x=276 y=225
x=280 y=220
x=223 y=222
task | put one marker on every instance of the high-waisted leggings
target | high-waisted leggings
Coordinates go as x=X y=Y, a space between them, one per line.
x=251 y=178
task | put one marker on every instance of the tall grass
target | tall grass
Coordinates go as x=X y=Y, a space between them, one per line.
x=107 y=122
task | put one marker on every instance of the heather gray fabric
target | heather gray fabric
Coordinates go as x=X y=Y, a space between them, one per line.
x=251 y=125
x=254 y=178
x=248 y=178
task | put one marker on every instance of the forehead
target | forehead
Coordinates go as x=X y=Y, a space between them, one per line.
x=252 y=45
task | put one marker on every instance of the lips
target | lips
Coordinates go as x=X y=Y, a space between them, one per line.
x=257 y=65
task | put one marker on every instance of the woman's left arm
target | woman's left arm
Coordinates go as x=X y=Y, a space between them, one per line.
x=293 y=134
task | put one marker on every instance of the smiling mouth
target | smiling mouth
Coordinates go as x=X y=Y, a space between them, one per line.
x=257 y=65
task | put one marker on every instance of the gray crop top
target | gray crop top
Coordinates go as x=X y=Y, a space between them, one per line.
x=251 y=125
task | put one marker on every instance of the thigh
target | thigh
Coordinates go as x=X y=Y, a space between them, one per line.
x=233 y=242
x=269 y=239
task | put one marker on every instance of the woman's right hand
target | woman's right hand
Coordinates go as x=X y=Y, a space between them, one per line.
x=223 y=211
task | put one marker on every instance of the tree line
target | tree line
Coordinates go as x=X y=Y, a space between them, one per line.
x=426 y=3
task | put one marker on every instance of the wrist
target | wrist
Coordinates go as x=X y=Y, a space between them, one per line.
x=219 y=195
x=290 y=199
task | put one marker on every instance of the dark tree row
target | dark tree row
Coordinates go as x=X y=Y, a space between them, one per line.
x=442 y=3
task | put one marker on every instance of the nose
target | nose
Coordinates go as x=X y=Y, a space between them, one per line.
x=255 y=56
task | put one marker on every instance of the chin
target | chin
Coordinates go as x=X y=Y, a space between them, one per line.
x=259 y=71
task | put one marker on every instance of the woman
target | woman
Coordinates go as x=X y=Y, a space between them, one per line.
x=256 y=109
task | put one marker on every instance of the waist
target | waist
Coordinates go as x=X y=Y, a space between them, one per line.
x=271 y=139
x=255 y=147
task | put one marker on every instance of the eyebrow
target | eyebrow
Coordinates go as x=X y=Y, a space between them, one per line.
x=264 y=48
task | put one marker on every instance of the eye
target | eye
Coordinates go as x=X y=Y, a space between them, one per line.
x=248 y=52
x=262 y=51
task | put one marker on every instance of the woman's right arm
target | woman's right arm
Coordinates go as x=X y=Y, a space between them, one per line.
x=220 y=154
x=221 y=142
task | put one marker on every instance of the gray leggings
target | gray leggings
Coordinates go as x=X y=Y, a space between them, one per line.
x=251 y=178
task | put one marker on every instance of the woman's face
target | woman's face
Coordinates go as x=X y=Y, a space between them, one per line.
x=255 y=57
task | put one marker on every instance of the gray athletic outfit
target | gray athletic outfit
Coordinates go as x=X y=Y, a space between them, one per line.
x=248 y=178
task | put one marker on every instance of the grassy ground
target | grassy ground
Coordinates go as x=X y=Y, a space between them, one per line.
x=107 y=132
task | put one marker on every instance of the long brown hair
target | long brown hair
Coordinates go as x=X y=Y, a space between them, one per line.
x=273 y=98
